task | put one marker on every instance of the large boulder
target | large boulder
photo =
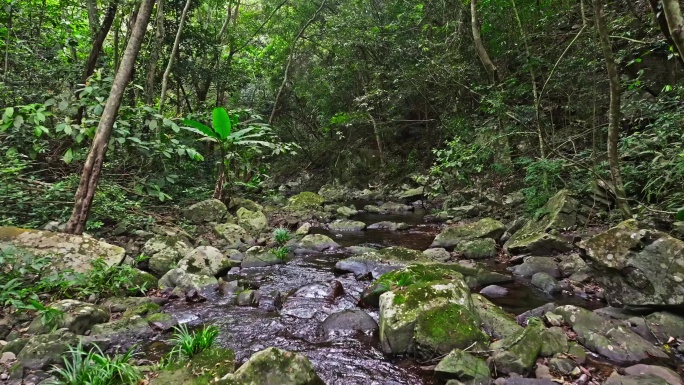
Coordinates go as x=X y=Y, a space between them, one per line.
x=399 y=310
x=495 y=321
x=454 y=235
x=639 y=267
x=236 y=203
x=258 y=256
x=615 y=342
x=203 y=368
x=78 y=317
x=305 y=201
x=518 y=352
x=387 y=225
x=444 y=328
x=234 y=235
x=480 y=248
x=210 y=210
x=463 y=366
x=65 y=251
x=274 y=366
x=534 y=265
x=45 y=350
x=344 y=225
x=538 y=236
x=206 y=260
x=334 y=193
x=315 y=243
x=164 y=252
x=252 y=221
x=183 y=282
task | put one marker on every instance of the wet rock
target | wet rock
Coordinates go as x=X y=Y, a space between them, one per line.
x=204 y=368
x=484 y=228
x=400 y=309
x=65 y=251
x=305 y=201
x=546 y=283
x=534 y=265
x=78 y=317
x=315 y=243
x=438 y=254
x=391 y=226
x=559 y=214
x=666 y=374
x=442 y=329
x=494 y=291
x=247 y=298
x=210 y=210
x=373 y=209
x=518 y=352
x=140 y=283
x=329 y=291
x=411 y=194
x=164 y=252
x=15 y=346
x=258 y=256
x=536 y=312
x=543 y=372
x=554 y=341
x=349 y=320
x=334 y=193
x=524 y=381
x=183 y=282
x=274 y=366
x=394 y=208
x=615 y=342
x=638 y=267
x=494 y=320
x=253 y=221
x=572 y=264
x=206 y=260
x=303 y=229
x=344 y=225
x=44 y=350
x=270 y=301
x=346 y=212
x=358 y=250
x=234 y=235
x=644 y=379
x=118 y=305
x=463 y=366
x=477 y=248
x=363 y=269
x=562 y=365
x=662 y=326
x=135 y=325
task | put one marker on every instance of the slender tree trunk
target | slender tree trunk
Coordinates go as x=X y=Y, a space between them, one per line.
x=614 y=113
x=377 y=138
x=479 y=45
x=39 y=27
x=675 y=23
x=154 y=56
x=98 y=40
x=93 y=165
x=7 y=41
x=93 y=18
x=293 y=49
x=174 y=51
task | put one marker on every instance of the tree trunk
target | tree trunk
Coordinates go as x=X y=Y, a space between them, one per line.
x=154 y=56
x=377 y=139
x=98 y=40
x=174 y=51
x=93 y=165
x=93 y=18
x=479 y=45
x=675 y=23
x=614 y=113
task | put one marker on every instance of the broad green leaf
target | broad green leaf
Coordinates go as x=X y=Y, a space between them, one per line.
x=18 y=121
x=63 y=105
x=221 y=122
x=153 y=124
x=680 y=215
x=98 y=110
x=68 y=156
x=199 y=128
x=9 y=112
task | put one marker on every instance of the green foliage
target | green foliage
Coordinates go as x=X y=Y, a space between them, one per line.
x=187 y=344
x=281 y=235
x=281 y=253
x=49 y=317
x=92 y=367
x=459 y=161
x=543 y=179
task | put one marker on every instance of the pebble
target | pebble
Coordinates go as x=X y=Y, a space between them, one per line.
x=4 y=377
x=7 y=357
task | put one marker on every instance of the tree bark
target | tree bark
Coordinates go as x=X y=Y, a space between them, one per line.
x=7 y=42
x=479 y=45
x=174 y=51
x=154 y=56
x=675 y=23
x=98 y=40
x=614 y=112
x=93 y=165
x=93 y=18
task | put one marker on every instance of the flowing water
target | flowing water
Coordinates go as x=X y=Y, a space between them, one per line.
x=344 y=359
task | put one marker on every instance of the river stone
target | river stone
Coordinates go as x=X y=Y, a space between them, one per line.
x=411 y=194
x=206 y=260
x=258 y=256
x=316 y=243
x=203 y=368
x=518 y=352
x=348 y=320
x=234 y=235
x=247 y=298
x=274 y=366
x=477 y=248
x=254 y=222
x=546 y=283
x=395 y=208
x=463 y=366
x=164 y=252
x=236 y=203
x=346 y=212
x=305 y=201
x=391 y=226
x=461 y=212
x=138 y=323
x=334 y=193
x=523 y=381
x=444 y=328
x=639 y=267
x=554 y=341
x=210 y=210
x=666 y=374
x=562 y=365
x=494 y=320
x=185 y=282
x=399 y=310
x=439 y=254
x=65 y=251
x=613 y=341
x=344 y=225
x=45 y=350
x=119 y=305
x=534 y=265
x=494 y=291
x=78 y=317
x=139 y=283
x=484 y=228
x=572 y=264
x=303 y=229
x=662 y=326
x=643 y=379
x=358 y=250
x=558 y=214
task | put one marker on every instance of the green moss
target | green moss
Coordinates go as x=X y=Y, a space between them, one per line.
x=159 y=317
x=306 y=200
x=142 y=310
x=447 y=327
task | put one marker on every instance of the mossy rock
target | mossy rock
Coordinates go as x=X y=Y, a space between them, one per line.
x=260 y=257
x=345 y=225
x=134 y=327
x=518 y=353
x=463 y=366
x=140 y=282
x=305 y=201
x=554 y=341
x=252 y=221
x=315 y=243
x=202 y=369
x=484 y=228
x=78 y=317
x=495 y=321
x=442 y=329
x=43 y=351
x=477 y=248
x=234 y=235
x=210 y=210
x=206 y=260
x=274 y=366
x=236 y=203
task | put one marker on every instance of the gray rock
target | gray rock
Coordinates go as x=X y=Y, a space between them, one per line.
x=247 y=298
x=236 y=203
x=441 y=329
x=316 y=243
x=484 y=228
x=546 y=283
x=254 y=222
x=494 y=320
x=164 y=252
x=534 y=265
x=518 y=352
x=349 y=320
x=463 y=366
x=346 y=212
x=666 y=374
x=536 y=312
x=234 y=235
x=44 y=350
x=206 y=260
x=258 y=256
x=644 y=379
x=78 y=317
x=572 y=264
x=334 y=193
x=391 y=226
x=494 y=291
x=358 y=250
x=344 y=225
x=554 y=341
x=185 y=282
x=275 y=366
x=562 y=365
x=210 y=210
x=477 y=248
x=438 y=254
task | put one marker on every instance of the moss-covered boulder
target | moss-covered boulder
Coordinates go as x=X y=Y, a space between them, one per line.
x=258 y=256
x=210 y=210
x=274 y=366
x=77 y=317
x=444 y=328
x=183 y=282
x=638 y=267
x=484 y=228
x=206 y=260
x=164 y=252
x=534 y=265
x=399 y=310
x=334 y=193
x=137 y=323
x=463 y=366
x=387 y=225
x=537 y=236
x=234 y=235
x=305 y=201
x=346 y=212
x=546 y=283
x=252 y=221
x=315 y=243
x=43 y=351
x=554 y=341
x=662 y=326
x=518 y=352
x=65 y=251
x=202 y=369
x=344 y=225
x=140 y=283
x=481 y=248
x=438 y=254
x=494 y=320
x=614 y=341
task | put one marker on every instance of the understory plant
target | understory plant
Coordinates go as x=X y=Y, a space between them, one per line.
x=187 y=344
x=90 y=366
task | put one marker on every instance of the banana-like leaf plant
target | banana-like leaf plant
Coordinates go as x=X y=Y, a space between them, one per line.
x=232 y=140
